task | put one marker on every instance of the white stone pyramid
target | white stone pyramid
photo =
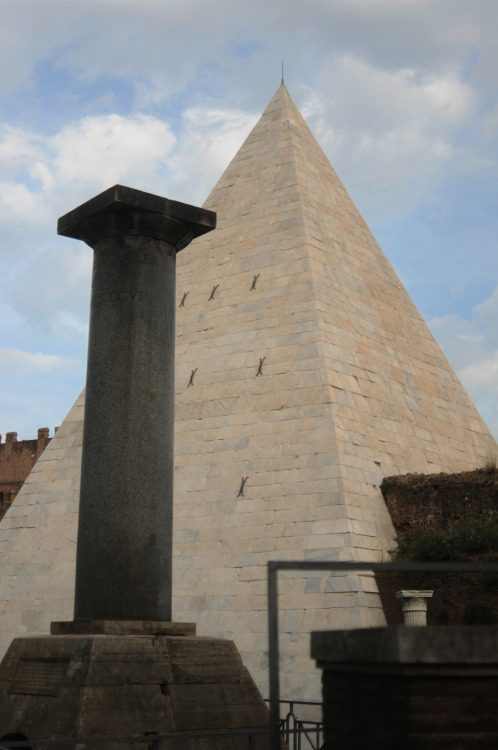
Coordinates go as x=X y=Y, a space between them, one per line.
x=304 y=376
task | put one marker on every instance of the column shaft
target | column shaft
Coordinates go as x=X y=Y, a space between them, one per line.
x=124 y=552
x=124 y=555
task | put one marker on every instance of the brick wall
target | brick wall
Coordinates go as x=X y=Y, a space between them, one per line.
x=413 y=688
x=17 y=458
x=421 y=503
x=368 y=711
x=424 y=502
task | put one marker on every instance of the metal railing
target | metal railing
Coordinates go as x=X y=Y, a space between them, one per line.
x=301 y=734
x=298 y=734
x=152 y=741
x=274 y=566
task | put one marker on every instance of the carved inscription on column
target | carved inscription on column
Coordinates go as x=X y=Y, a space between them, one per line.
x=39 y=676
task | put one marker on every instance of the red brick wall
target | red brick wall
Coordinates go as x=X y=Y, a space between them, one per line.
x=17 y=458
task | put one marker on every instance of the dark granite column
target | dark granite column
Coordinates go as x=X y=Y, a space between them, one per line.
x=124 y=554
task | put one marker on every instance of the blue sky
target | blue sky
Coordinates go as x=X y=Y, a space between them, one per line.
x=159 y=95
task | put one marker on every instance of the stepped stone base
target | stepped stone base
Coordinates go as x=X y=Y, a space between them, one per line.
x=121 y=627
x=69 y=686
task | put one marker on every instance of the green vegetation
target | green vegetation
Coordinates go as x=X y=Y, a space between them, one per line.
x=477 y=538
x=388 y=483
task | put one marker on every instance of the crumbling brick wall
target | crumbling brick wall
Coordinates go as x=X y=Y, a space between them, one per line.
x=17 y=458
x=421 y=503
x=424 y=502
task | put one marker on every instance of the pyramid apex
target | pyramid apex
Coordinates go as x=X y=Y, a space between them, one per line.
x=281 y=95
x=280 y=129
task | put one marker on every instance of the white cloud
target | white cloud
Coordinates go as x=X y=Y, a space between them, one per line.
x=18 y=203
x=161 y=48
x=20 y=150
x=481 y=381
x=472 y=348
x=51 y=293
x=49 y=175
x=17 y=147
x=209 y=139
x=42 y=173
x=72 y=325
x=390 y=134
x=50 y=280
x=49 y=277
x=482 y=376
x=16 y=360
x=487 y=312
x=55 y=173
x=100 y=151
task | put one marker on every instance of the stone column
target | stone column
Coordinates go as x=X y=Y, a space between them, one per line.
x=414 y=606
x=124 y=553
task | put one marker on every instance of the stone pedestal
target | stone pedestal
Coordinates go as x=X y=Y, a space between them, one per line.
x=74 y=686
x=416 y=688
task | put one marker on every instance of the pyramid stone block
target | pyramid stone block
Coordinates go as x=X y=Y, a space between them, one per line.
x=304 y=375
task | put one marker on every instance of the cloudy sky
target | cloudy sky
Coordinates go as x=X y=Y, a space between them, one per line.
x=159 y=95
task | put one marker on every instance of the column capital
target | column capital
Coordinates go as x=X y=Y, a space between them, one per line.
x=414 y=605
x=414 y=594
x=121 y=210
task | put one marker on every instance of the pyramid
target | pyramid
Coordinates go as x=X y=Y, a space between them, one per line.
x=304 y=376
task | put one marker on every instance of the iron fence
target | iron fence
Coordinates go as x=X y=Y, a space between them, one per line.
x=150 y=741
x=301 y=734
x=297 y=733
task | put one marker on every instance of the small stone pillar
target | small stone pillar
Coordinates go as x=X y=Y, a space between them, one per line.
x=124 y=552
x=414 y=606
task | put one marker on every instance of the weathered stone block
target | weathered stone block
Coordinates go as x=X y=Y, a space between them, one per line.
x=103 y=685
